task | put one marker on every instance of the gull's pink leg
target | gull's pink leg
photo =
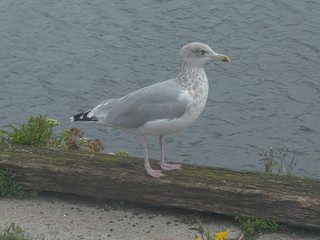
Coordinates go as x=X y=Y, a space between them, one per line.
x=150 y=171
x=163 y=165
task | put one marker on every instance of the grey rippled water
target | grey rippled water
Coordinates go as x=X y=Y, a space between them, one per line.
x=61 y=57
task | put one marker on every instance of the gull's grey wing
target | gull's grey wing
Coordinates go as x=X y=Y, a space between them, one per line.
x=162 y=100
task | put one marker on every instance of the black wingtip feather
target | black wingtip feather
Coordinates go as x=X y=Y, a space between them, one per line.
x=83 y=117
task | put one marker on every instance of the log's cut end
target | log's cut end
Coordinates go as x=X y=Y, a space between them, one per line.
x=291 y=200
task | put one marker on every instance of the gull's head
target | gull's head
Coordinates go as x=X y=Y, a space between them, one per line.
x=198 y=54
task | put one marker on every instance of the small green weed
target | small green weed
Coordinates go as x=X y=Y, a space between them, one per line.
x=253 y=226
x=207 y=235
x=122 y=153
x=35 y=192
x=8 y=186
x=38 y=131
x=270 y=162
x=13 y=232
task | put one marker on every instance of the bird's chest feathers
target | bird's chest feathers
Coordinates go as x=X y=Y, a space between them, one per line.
x=197 y=88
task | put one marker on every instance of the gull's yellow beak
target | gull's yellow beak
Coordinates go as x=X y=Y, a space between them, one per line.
x=221 y=57
x=226 y=59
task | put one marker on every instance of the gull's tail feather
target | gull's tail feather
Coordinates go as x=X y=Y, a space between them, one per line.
x=84 y=116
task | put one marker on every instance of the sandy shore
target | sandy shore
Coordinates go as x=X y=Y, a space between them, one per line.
x=69 y=217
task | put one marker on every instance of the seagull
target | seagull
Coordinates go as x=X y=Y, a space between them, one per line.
x=162 y=108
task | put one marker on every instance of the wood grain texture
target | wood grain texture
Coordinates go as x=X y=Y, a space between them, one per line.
x=291 y=200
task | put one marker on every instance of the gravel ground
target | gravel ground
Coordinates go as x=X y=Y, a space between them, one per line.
x=70 y=217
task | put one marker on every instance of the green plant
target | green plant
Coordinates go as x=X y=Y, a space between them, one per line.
x=252 y=226
x=8 y=186
x=207 y=236
x=73 y=139
x=270 y=162
x=122 y=153
x=13 y=232
x=35 y=192
x=288 y=168
x=38 y=131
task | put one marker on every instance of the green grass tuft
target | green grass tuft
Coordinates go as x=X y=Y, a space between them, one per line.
x=8 y=186
x=279 y=162
x=252 y=226
x=13 y=232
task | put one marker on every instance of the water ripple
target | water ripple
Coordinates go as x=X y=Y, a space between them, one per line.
x=60 y=57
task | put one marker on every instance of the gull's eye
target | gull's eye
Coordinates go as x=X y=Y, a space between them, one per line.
x=201 y=51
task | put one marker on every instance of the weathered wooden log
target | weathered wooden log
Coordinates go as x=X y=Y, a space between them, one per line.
x=291 y=200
